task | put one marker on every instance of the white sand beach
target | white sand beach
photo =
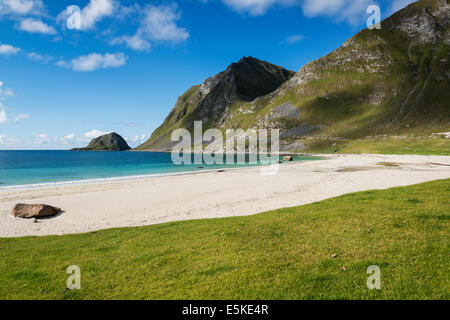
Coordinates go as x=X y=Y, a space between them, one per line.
x=90 y=207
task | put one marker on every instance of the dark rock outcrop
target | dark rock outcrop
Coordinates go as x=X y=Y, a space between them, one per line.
x=28 y=211
x=108 y=142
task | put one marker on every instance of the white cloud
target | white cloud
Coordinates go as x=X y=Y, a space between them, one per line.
x=93 y=13
x=94 y=134
x=21 y=116
x=294 y=39
x=62 y=64
x=21 y=7
x=314 y=8
x=135 y=42
x=94 y=61
x=8 y=92
x=136 y=139
x=7 y=49
x=158 y=24
x=3 y=139
x=132 y=140
x=69 y=139
x=38 y=57
x=5 y=92
x=36 y=26
x=42 y=139
x=341 y=10
x=399 y=4
x=74 y=140
x=254 y=7
x=124 y=12
x=3 y=117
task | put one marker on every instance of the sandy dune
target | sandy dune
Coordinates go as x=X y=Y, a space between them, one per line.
x=90 y=207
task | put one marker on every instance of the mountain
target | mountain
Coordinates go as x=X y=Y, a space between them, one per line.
x=214 y=100
x=108 y=142
x=387 y=86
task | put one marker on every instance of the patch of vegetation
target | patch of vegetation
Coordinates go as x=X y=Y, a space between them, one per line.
x=282 y=254
x=389 y=164
x=379 y=145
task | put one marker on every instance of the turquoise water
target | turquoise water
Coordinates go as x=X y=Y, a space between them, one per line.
x=19 y=168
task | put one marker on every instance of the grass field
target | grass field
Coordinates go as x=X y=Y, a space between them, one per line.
x=283 y=254
x=385 y=145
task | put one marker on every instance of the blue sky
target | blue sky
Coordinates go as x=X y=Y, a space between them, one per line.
x=125 y=67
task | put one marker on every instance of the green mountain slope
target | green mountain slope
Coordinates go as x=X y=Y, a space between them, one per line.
x=380 y=85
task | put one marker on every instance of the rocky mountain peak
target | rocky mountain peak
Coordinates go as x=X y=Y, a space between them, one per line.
x=254 y=78
x=241 y=81
x=245 y=63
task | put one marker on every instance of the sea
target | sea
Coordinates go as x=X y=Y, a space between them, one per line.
x=33 y=169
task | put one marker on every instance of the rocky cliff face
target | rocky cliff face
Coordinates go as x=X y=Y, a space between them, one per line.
x=380 y=82
x=108 y=142
x=243 y=81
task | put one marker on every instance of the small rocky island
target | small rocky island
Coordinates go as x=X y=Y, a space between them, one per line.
x=108 y=142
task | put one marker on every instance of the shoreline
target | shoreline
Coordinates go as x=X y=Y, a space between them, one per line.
x=213 y=193
x=51 y=184
x=55 y=184
x=47 y=185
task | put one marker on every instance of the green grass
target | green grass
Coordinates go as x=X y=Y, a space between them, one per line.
x=283 y=254
x=388 y=145
x=424 y=146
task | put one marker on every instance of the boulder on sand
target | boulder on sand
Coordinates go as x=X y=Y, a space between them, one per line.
x=34 y=211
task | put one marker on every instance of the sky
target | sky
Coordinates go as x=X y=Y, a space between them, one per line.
x=68 y=76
